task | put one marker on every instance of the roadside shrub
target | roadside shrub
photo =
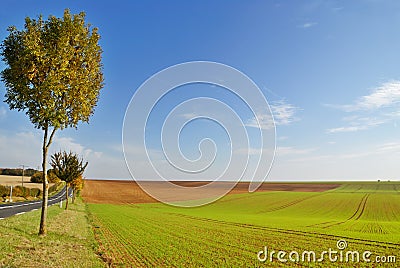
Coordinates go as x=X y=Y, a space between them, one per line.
x=51 y=177
x=35 y=192
x=26 y=192
x=21 y=191
x=37 y=177
x=17 y=191
x=4 y=191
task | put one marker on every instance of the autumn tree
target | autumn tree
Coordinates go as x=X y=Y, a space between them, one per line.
x=54 y=74
x=67 y=167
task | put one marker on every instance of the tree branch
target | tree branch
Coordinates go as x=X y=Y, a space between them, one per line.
x=51 y=137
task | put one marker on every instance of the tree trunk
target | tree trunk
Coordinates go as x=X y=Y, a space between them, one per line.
x=43 y=217
x=46 y=144
x=66 y=196
x=73 y=195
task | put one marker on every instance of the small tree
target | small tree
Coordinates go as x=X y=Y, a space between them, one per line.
x=54 y=74
x=67 y=167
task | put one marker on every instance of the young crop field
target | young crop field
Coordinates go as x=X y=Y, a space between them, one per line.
x=231 y=231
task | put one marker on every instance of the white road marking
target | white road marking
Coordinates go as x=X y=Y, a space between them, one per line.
x=32 y=203
x=53 y=198
x=20 y=205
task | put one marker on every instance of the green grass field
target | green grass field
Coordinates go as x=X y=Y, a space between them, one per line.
x=231 y=231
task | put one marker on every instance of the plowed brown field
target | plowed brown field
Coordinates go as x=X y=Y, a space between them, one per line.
x=129 y=192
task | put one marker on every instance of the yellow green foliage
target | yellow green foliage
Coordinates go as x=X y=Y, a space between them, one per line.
x=53 y=70
x=38 y=177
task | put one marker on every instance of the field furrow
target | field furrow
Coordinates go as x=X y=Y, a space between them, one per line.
x=230 y=232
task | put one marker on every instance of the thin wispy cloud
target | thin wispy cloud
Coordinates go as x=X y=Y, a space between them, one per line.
x=26 y=148
x=372 y=110
x=357 y=124
x=386 y=95
x=390 y=147
x=283 y=114
x=69 y=144
x=346 y=129
x=261 y=121
x=372 y=150
x=307 y=25
x=281 y=151
x=378 y=149
x=288 y=150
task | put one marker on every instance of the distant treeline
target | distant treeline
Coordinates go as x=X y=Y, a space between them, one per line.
x=17 y=171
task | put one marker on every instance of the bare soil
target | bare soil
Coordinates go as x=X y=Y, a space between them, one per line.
x=129 y=192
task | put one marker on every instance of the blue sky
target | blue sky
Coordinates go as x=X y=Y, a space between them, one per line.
x=329 y=70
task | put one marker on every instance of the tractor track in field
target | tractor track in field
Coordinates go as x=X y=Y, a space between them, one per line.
x=356 y=215
x=362 y=206
x=383 y=245
x=291 y=203
x=321 y=224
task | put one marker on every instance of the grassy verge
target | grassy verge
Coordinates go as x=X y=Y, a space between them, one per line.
x=69 y=242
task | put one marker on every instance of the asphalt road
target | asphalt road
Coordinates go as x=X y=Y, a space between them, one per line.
x=7 y=210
